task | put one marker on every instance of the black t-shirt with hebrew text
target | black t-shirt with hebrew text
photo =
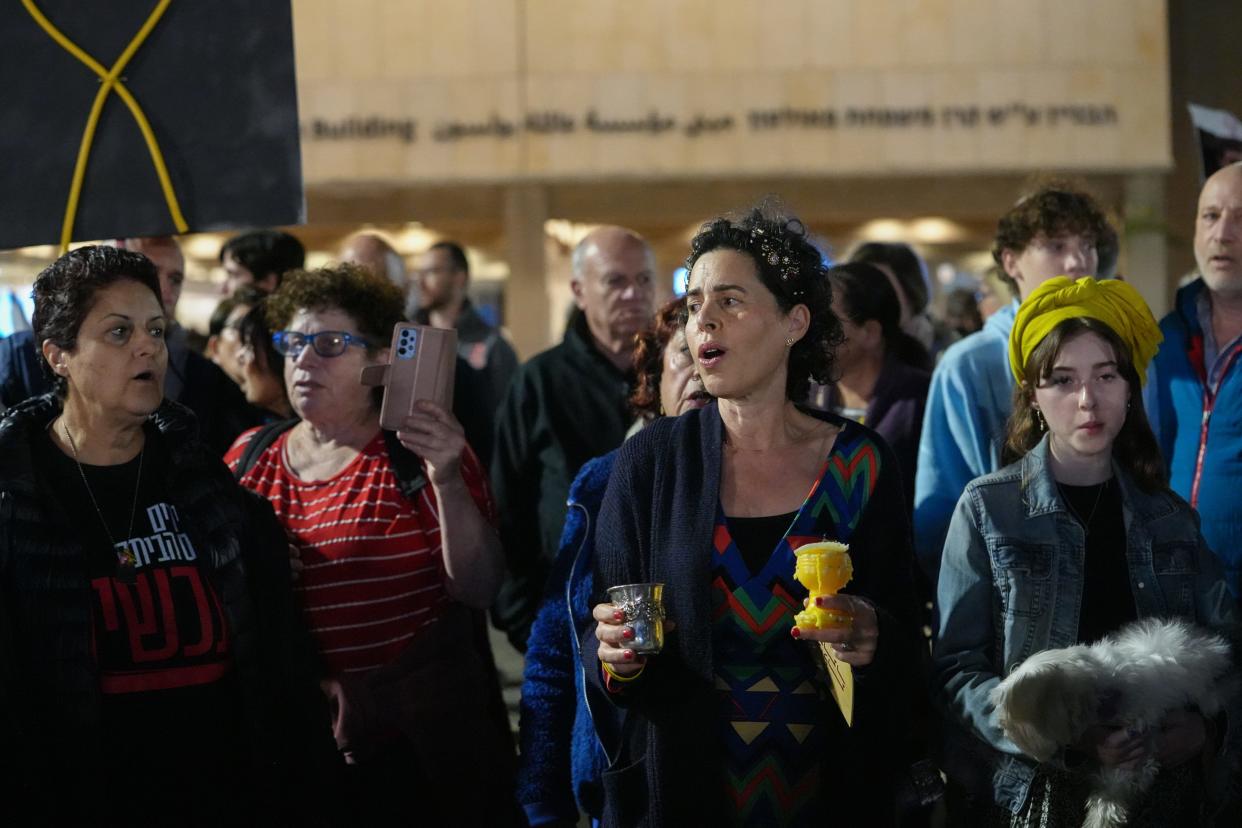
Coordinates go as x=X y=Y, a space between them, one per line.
x=170 y=705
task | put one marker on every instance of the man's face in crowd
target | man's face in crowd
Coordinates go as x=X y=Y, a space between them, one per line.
x=1046 y=257
x=616 y=290
x=165 y=254
x=1218 y=232
x=439 y=282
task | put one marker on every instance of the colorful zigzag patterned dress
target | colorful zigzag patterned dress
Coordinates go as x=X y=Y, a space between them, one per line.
x=772 y=713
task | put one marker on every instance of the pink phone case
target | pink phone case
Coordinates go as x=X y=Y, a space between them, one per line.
x=421 y=366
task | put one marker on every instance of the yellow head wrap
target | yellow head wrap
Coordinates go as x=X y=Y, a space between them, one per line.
x=1113 y=302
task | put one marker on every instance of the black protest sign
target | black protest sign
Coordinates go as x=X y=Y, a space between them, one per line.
x=133 y=118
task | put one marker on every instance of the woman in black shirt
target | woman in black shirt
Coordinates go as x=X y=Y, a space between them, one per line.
x=150 y=661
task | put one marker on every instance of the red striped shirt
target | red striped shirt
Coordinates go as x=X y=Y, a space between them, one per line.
x=373 y=575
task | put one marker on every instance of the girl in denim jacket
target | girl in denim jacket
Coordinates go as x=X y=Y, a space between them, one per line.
x=1076 y=537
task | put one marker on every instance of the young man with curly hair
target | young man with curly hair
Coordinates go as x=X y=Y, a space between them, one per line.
x=1057 y=230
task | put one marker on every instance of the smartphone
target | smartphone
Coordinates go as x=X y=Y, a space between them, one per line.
x=422 y=364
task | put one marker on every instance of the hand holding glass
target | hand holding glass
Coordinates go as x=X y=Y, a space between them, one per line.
x=643 y=605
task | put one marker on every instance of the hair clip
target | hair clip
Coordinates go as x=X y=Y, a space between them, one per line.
x=776 y=253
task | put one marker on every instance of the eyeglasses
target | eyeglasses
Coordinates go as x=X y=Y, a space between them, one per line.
x=325 y=343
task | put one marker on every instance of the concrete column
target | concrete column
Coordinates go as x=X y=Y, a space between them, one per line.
x=526 y=298
x=1145 y=241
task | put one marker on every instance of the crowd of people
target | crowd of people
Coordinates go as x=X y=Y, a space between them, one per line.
x=228 y=596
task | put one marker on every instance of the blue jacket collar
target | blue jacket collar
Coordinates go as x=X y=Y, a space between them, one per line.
x=1187 y=305
x=1039 y=490
x=1040 y=495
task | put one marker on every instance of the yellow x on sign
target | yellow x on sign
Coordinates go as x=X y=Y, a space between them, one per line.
x=111 y=80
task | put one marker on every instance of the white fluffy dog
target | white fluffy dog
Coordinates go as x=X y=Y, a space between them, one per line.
x=1141 y=672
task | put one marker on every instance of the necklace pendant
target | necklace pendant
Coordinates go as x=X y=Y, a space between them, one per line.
x=126 y=563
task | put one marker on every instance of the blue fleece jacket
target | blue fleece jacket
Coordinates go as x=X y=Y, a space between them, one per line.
x=562 y=759
x=1176 y=397
x=963 y=429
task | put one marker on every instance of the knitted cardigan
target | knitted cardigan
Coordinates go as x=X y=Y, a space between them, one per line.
x=656 y=524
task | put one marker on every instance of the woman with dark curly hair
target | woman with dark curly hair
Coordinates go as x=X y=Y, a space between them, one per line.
x=395 y=538
x=733 y=722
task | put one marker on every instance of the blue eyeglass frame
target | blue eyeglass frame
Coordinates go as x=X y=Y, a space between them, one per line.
x=291 y=343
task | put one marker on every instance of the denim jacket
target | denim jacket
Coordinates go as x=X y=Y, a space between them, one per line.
x=1011 y=585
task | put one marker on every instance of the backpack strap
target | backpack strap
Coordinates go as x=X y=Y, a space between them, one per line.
x=406 y=465
x=259 y=443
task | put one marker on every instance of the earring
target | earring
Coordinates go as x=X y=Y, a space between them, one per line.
x=789 y=343
x=1039 y=415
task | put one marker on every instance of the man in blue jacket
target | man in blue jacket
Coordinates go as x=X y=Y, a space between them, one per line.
x=1054 y=231
x=1194 y=389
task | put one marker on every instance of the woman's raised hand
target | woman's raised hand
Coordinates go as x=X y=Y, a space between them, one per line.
x=435 y=435
x=1181 y=737
x=855 y=643
x=614 y=634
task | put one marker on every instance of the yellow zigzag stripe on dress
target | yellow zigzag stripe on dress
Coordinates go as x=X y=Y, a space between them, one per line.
x=110 y=81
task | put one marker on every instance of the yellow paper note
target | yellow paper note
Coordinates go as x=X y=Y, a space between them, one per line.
x=841 y=678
